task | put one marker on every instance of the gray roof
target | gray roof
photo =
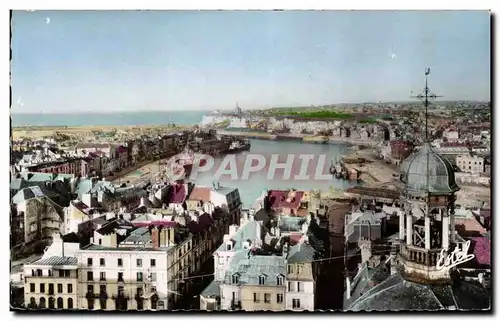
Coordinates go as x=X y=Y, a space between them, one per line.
x=428 y=172
x=95 y=247
x=397 y=294
x=57 y=260
x=32 y=192
x=139 y=235
x=300 y=253
x=212 y=290
x=246 y=232
x=252 y=267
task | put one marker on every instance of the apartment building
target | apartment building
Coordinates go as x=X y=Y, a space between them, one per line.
x=122 y=278
x=470 y=163
x=300 y=276
x=51 y=283
x=260 y=269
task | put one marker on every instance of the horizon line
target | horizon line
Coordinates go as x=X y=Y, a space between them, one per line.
x=231 y=108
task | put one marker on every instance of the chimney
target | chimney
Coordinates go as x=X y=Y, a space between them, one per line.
x=155 y=237
x=171 y=238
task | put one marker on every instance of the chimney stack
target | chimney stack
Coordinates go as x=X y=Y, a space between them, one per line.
x=155 y=237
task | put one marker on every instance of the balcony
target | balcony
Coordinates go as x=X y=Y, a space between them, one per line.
x=90 y=295
x=103 y=295
x=420 y=255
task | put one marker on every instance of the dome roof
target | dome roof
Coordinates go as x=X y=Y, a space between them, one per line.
x=428 y=172
x=397 y=294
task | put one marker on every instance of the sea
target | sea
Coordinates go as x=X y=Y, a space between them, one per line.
x=109 y=119
x=249 y=189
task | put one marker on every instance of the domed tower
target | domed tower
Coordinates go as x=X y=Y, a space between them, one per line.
x=426 y=232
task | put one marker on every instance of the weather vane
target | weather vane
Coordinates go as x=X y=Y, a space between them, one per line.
x=426 y=97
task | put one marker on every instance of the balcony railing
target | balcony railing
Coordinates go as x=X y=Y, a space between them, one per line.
x=420 y=255
x=90 y=295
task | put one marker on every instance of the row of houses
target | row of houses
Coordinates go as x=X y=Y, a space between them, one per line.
x=141 y=259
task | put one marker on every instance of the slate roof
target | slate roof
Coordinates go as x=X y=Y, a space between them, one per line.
x=212 y=290
x=246 y=232
x=141 y=235
x=32 y=192
x=398 y=294
x=300 y=253
x=251 y=268
x=291 y=223
x=57 y=260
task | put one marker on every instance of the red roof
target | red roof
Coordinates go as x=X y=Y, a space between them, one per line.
x=482 y=250
x=178 y=195
x=121 y=149
x=285 y=199
x=200 y=194
x=469 y=225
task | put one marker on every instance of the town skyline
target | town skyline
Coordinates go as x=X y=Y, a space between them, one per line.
x=108 y=61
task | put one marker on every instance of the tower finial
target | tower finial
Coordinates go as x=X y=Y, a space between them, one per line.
x=426 y=97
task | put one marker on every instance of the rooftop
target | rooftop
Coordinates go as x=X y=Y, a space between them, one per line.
x=57 y=260
x=254 y=266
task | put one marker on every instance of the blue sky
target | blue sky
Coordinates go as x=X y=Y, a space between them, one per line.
x=168 y=60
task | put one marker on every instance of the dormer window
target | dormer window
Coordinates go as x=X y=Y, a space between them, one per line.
x=262 y=279
x=279 y=280
x=235 y=278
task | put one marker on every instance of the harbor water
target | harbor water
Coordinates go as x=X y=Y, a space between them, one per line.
x=250 y=189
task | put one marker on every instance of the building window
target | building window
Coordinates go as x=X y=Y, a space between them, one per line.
x=59 y=288
x=299 y=287
x=32 y=287
x=32 y=272
x=235 y=278
x=51 y=288
x=120 y=276
x=102 y=276
x=139 y=276
x=102 y=304
x=61 y=273
x=262 y=280
x=279 y=298
x=60 y=302
x=42 y=303
x=296 y=303
x=39 y=272
x=299 y=268
x=67 y=273
x=290 y=287
x=100 y=241
x=90 y=276
x=289 y=269
x=70 y=303
x=256 y=297
x=267 y=297
x=120 y=262
x=90 y=303
x=279 y=280
x=153 y=262
x=139 y=263
x=70 y=288
x=90 y=288
x=89 y=261
x=153 y=277
x=102 y=262
x=51 y=273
